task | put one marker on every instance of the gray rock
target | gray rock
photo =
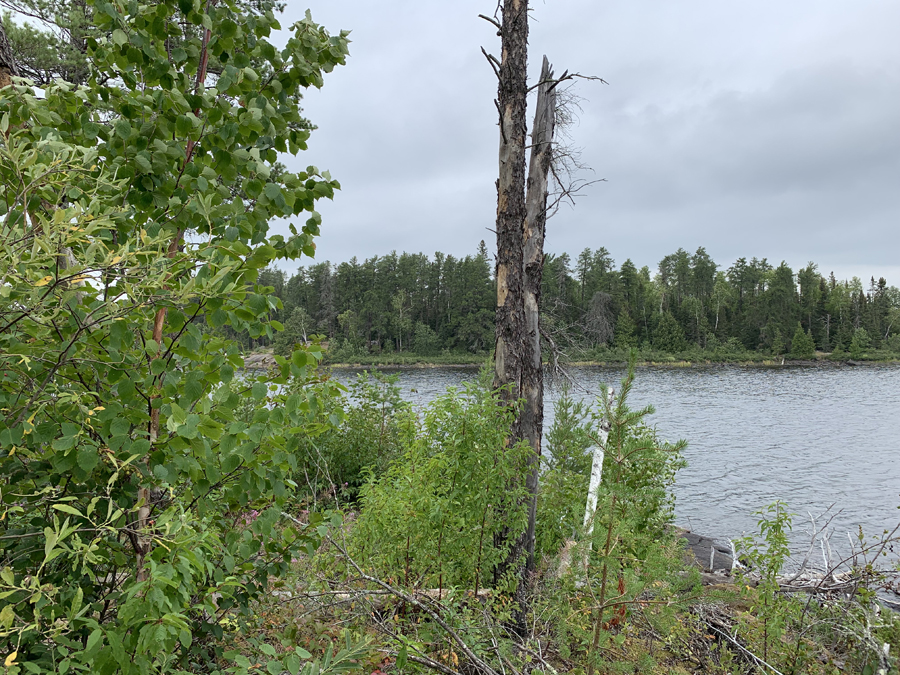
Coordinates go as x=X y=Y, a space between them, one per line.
x=701 y=549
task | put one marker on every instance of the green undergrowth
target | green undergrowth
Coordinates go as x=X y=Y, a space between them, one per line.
x=408 y=574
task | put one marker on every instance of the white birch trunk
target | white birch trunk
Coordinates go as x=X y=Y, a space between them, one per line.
x=590 y=508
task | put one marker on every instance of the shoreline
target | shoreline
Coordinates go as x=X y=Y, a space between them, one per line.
x=607 y=364
x=264 y=361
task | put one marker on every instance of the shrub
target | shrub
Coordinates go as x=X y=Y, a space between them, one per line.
x=432 y=518
x=339 y=461
x=142 y=492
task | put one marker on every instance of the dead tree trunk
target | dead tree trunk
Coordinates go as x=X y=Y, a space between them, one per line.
x=510 y=350
x=521 y=220
x=532 y=419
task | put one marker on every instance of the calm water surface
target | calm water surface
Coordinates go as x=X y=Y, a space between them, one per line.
x=811 y=437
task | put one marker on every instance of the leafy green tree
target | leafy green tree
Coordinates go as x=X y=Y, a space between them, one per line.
x=425 y=340
x=129 y=450
x=802 y=344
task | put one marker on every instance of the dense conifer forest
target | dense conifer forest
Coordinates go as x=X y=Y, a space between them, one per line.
x=433 y=305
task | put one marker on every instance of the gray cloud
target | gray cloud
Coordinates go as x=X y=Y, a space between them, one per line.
x=766 y=129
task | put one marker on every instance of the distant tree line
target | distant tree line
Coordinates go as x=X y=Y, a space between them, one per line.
x=423 y=305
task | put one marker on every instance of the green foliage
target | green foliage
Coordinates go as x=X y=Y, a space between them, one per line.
x=633 y=550
x=767 y=555
x=860 y=343
x=669 y=336
x=802 y=344
x=143 y=489
x=431 y=519
x=564 y=479
x=625 y=331
x=595 y=311
x=297 y=330
x=425 y=340
x=339 y=461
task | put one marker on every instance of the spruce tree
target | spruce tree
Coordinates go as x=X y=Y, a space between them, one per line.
x=802 y=345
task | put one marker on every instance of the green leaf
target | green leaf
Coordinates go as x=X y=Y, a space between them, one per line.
x=272 y=191
x=123 y=129
x=176 y=418
x=87 y=458
x=7 y=616
x=65 y=508
x=91 y=130
x=93 y=639
x=184 y=125
x=259 y=390
x=119 y=37
x=143 y=162
x=292 y=663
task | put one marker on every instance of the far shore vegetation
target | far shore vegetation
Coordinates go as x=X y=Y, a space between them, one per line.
x=411 y=309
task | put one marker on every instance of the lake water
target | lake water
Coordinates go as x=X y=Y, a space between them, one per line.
x=809 y=436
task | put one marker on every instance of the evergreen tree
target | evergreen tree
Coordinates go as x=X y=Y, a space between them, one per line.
x=802 y=344
x=624 y=334
x=669 y=337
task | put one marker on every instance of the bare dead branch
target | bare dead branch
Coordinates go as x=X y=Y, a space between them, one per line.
x=495 y=64
x=406 y=597
x=491 y=21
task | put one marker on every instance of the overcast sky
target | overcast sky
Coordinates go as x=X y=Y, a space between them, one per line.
x=765 y=128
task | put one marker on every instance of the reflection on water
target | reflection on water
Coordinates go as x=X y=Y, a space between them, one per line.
x=812 y=437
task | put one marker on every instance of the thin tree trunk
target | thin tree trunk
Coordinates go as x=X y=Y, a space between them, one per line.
x=532 y=418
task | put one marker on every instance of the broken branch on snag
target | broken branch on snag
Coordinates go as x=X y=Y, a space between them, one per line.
x=495 y=64
x=568 y=76
x=491 y=21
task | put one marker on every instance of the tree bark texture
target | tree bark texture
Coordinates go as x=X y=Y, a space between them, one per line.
x=510 y=345
x=511 y=95
x=532 y=417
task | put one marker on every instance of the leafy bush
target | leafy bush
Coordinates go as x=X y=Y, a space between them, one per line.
x=432 y=518
x=142 y=493
x=632 y=549
x=860 y=342
x=641 y=480
x=340 y=460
